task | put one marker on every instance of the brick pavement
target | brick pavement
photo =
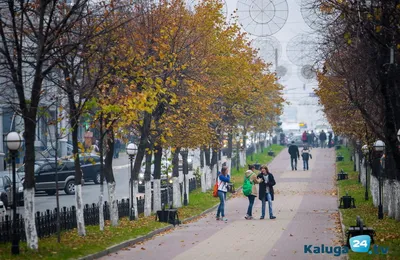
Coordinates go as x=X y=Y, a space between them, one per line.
x=305 y=204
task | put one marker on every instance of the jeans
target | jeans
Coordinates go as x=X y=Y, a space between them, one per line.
x=295 y=162
x=266 y=198
x=221 y=207
x=251 y=203
x=305 y=164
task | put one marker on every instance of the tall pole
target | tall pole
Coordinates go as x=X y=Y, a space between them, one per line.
x=380 y=208
x=366 y=177
x=359 y=163
x=237 y=153
x=15 y=239
x=56 y=176
x=131 y=214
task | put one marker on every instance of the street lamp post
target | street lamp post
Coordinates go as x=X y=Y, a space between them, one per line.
x=379 y=146
x=131 y=150
x=237 y=152
x=366 y=152
x=14 y=141
x=184 y=152
x=359 y=160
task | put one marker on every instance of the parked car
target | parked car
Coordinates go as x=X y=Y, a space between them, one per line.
x=164 y=181
x=297 y=141
x=6 y=190
x=90 y=165
x=45 y=176
x=2 y=209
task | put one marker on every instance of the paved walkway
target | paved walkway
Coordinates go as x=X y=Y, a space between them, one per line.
x=305 y=206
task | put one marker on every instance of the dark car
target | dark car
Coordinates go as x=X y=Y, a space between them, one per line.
x=90 y=165
x=45 y=176
x=163 y=181
x=6 y=190
x=297 y=141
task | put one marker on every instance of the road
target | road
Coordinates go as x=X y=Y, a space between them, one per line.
x=90 y=191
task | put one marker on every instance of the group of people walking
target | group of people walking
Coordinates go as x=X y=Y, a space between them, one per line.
x=265 y=192
x=313 y=140
x=295 y=154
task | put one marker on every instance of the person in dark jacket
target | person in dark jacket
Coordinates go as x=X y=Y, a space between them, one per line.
x=266 y=190
x=322 y=138
x=306 y=155
x=330 y=140
x=294 y=155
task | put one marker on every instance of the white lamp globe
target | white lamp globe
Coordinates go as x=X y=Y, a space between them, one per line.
x=14 y=141
x=131 y=149
x=379 y=146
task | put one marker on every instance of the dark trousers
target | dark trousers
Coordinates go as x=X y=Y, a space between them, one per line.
x=251 y=203
x=305 y=164
x=293 y=159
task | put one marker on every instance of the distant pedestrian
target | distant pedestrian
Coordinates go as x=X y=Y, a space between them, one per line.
x=304 y=137
x=313 y=142
x=294 y=155
x=330 y=140
x=310 y=139
x=322 y=139
x=117 y=148
x=223 y=180
x=250 y=178
x=306 y=155
x=266 y=191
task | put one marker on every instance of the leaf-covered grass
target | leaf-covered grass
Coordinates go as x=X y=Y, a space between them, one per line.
x=73 y=246
x=261 y=158
x=387 y=229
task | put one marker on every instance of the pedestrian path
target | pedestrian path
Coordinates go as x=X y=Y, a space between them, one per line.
x=305 y=206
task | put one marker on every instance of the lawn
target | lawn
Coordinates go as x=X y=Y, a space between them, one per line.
x=387 y=230
x=73 y=246
x=262 y=158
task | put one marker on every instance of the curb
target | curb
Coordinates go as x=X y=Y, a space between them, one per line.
x=127 y=243
x=346 y=256
x=115 y=248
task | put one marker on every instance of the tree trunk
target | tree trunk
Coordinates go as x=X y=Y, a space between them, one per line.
x=29 y=183
x=74 y=121
x=147 y=183
x=157 y=176
x=207 y=170
x=176 y=192
x=101 y=197
x=113 y=203
x=202 y=170
x=213 y=166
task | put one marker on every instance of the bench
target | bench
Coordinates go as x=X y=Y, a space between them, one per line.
x=169 y=216
x=347 y=202
x=342 y=175
x=359 y=229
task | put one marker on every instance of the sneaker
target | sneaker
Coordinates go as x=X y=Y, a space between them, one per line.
x=248 y=217
x=217 y=218
x=224 y=219
x=272 y=217
x=262 y=217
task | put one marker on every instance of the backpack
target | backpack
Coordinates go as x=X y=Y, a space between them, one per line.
x=247 y=186
x=215 y=189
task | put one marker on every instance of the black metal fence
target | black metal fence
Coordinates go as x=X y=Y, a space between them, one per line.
x=46 y=222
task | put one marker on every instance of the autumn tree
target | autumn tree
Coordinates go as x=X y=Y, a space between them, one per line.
x=34 y=41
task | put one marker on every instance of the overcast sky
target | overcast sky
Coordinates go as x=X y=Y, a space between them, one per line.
x=294 y=26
